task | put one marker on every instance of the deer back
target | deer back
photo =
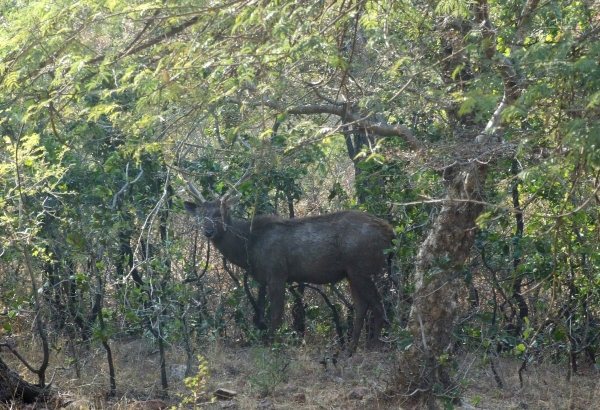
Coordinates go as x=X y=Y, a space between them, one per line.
x=319 y=249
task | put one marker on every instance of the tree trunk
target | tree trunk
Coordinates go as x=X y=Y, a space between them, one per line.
x=425 y=373
x=13 y=387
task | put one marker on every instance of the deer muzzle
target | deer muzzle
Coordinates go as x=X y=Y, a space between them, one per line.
x=209 y=228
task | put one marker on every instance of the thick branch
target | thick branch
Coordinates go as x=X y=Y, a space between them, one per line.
x=138 y=37
x=12 y=387
x=504 y=65
x=380 y=128
x=528 y=9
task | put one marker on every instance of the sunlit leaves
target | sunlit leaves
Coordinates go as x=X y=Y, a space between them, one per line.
x=458 y=8
x=11 y=80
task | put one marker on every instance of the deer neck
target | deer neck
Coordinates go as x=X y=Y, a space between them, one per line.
x=233 y=242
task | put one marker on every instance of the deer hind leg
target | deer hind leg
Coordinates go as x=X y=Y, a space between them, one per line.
x=360 y=312
x=365 y=296
x=377 y=314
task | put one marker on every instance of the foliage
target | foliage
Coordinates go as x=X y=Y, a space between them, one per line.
x=197 y=385
x=271 y=369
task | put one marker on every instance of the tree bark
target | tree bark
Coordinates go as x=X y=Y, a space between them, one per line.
x=425 y=373
x=13 y=387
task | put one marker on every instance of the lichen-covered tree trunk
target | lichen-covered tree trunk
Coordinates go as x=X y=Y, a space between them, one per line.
x=425 y=374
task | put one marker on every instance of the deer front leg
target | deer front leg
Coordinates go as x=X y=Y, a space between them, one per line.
x=258 y=305
x=259 y=318
x=276 y=297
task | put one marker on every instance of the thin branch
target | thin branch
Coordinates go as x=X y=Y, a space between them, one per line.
x=340 y=295
x=528 y=9
x=127 y=185
x=18 y=356
x=200 y=276
x=56 y=54
x=505 y=208
x=180 y=157
x=230 y=273
x=244 y=177
x=334 y=312
x=171 y=33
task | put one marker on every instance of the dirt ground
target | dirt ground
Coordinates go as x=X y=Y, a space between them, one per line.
x=297 y=377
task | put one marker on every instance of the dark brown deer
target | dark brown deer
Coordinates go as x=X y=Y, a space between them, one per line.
x=318 y=249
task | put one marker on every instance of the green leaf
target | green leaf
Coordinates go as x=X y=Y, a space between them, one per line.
x=467 y=106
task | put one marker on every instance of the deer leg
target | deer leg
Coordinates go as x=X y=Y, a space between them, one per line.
x=259 y=319
x=360 y=312
x=368 y=292
x=258 y=305
x=377 y=317
x=276 y=297
x=365 y=296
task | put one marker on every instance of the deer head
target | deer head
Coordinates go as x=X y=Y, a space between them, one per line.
x=215 y=214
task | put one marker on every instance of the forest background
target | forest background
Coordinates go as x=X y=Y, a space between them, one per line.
x=471 y=126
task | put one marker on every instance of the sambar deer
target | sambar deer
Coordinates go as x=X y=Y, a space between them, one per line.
x=317 y=249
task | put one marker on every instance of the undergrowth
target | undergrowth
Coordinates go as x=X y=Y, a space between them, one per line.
x=296 y=377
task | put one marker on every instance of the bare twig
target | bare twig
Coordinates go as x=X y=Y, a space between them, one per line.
x=127 y=184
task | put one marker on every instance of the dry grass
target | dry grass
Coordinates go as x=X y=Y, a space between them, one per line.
x=545 y=387
x=285 y=376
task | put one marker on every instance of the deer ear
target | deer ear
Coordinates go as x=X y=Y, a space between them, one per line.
x=191 y=208
x=232 y=201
